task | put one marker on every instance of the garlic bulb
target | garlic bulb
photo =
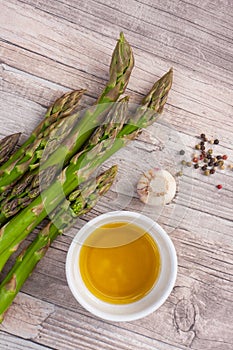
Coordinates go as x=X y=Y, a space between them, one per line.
x=156 y=187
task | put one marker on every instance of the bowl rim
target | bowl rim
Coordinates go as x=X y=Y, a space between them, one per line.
x=119 y=216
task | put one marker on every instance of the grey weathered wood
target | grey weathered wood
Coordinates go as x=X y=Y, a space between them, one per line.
x=48 y=47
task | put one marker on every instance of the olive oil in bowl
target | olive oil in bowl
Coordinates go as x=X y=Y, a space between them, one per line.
x=119 y=263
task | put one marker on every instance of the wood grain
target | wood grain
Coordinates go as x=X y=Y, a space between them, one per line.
x=49 y=47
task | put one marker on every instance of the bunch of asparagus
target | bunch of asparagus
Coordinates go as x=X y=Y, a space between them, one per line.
x=64 y=151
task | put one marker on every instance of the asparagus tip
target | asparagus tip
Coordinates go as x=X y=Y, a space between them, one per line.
x=122 y=37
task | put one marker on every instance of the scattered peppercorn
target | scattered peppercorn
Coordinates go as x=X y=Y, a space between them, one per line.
x=211 y=161
x=182 y=152
x=180 y=173
x=183 y=162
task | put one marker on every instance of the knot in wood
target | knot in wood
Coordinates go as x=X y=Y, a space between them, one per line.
x=184 y=315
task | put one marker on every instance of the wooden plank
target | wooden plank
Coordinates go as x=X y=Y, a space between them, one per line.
x=176 y=41
x=8 y=341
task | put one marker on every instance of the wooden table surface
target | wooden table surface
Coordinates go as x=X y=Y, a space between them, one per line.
x=51 y=46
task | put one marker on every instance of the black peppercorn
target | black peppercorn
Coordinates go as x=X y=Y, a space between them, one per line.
x=216 y=142
x=204 y=167
x=202 y=148
x=196 y=166
x=219 y=157
x=212 y=171
x=202 y=136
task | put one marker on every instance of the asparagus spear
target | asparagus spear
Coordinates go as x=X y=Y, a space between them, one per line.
x=61 y=108
x=29 y=187
x=120 y=70
x=78 y=171
x=7 y=146
x=79 y=202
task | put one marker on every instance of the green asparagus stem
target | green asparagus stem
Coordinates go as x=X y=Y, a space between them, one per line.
x=79 y=202
x=78 y=171
x=120 y=70
x=7 y=146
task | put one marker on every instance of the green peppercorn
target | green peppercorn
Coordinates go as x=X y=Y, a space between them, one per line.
x=210 y=151
x=220 y=162
x=206 y=160
x=183 y=162
x=180 y=173
x=189 y=164
x=207 y=172
x=198 y=147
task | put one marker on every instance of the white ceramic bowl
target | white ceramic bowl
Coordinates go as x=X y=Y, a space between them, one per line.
x=150 y=302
